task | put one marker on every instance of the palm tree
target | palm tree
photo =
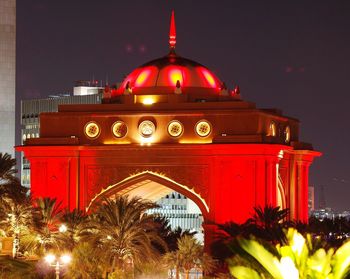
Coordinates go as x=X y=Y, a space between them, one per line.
x=190 y=254
x=75 y=223
x=15 y=213
x=125 y=233
x=7 y=169
x=167 y=234
x=173 y=260
x=267 y=223
x=46 y=221
x=14 y=269
x=16 y=219
x=225 y=234
x=87 y=262
x=10 y=187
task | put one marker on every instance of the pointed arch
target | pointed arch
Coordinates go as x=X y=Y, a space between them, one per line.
x=133 y=182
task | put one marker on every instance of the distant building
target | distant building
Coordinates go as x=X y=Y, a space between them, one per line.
x=31 y=109
x=345 y=214
x=181 y=212
x=311 y=198
x=321 y=197
x=324 y=213
x=7 y=74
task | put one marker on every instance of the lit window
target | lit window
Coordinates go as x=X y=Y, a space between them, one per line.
x=92 y=130
x=119 y=129
x=175 y=128
x=203 y=128
x=273 y=129
x=147 y=128
x=24 y=137
x=287 y=134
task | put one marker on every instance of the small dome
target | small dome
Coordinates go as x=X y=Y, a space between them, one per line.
x=161 y=76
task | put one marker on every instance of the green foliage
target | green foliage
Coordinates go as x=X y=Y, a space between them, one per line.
x=190 y=254
x=76 y=222
x=292 y=260
x=153 y=270
x=266 y=224
x=7 y=169
x=14 y=269
x=87 y=263
x=44 y=235
x=125 y=233
x=167 y=234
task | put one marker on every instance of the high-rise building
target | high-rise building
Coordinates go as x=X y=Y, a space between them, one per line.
x=321 y=197
x=85 y=92
x=181 y=212
x=311 y=199
x=7 y=74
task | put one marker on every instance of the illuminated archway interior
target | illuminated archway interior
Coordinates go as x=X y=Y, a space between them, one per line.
x=180 y=210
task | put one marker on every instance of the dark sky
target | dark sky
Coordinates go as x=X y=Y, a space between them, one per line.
x=292 y=55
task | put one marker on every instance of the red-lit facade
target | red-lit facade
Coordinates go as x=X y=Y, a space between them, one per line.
x=173 y=126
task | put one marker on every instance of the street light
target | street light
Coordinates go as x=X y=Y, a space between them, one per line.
x=63 y=228
x=57 y=262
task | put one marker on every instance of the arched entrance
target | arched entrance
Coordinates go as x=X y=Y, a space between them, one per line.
x=154 y=186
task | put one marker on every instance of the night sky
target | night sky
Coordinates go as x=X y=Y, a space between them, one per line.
x=292 y=55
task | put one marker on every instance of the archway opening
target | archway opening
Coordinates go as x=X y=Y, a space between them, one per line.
x=181 y=205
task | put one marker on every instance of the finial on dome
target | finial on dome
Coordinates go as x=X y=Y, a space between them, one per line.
x=178 y=88
x=172 y=31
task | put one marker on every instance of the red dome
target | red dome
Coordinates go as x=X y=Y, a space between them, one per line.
x=161 y=76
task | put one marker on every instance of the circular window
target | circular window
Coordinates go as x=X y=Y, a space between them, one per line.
x=92 y=130
x=273 y=129
x=119 y=129
x=287 y=134
x=175 y=128
x=147 y=128
x=203 y=128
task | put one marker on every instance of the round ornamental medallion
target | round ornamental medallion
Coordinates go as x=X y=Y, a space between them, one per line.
x=92 y=130
x=203 y=128
x=147 y=128
x=119 y=129
x=175 y=128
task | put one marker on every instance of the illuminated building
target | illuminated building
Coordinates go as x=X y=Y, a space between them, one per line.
x=177 y=208
x=83 y=93
x=311 y=199
x=7 y=75
x=172 y=125
x=180 y=212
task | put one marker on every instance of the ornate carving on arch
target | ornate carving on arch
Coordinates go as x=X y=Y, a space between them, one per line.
x=99 y=177
x=136 y=180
